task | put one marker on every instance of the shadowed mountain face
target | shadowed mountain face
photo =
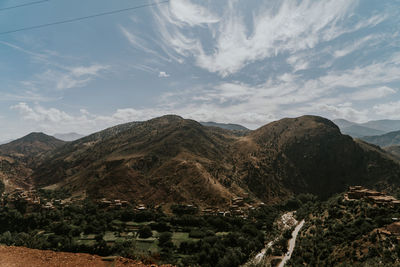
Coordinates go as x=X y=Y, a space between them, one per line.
x=169 y=159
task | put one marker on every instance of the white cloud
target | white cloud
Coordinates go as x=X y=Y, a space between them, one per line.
x=343 y=111
x=184 y=11
x=390 y=110
x=354 y=46
x=163 y=74
x=373 y=74
x=53 y=120
x=371 y=93
x=78 y=76
x=140 y=43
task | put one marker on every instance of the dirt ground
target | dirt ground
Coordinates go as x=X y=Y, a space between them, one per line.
x=24 y=257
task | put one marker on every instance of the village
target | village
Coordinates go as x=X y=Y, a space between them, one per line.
x=374 y=197
x=32 y=201
x=378 y=199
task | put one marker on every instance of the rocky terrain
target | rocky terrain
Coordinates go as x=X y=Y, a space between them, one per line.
x=20 y=256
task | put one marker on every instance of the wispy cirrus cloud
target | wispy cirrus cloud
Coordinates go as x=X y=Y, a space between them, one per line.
x=66 y=78
x=276 y=28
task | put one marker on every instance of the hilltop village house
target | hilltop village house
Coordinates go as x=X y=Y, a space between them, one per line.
x=374 y=197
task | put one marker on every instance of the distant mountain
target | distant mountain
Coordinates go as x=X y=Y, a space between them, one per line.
x=360 y=131
x=342 y=123
x=227 y=126
x=173 y=160
x=68 y=136
x=370 y=128
x=383 y=125
x=389 y=139
x=355 y=130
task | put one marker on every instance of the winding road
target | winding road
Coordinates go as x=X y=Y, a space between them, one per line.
x=292 y=243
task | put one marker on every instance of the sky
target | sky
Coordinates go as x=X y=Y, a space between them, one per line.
x=248 y=62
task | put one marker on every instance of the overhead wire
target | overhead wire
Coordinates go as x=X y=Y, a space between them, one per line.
x=83 y=18
x=23 y=5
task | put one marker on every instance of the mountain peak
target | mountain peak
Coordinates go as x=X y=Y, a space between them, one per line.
x=31 y=145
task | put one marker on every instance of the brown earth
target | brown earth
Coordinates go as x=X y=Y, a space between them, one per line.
x=22 y=257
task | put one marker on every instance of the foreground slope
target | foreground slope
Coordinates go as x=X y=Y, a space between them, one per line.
x=20 y=256
x=170 y=160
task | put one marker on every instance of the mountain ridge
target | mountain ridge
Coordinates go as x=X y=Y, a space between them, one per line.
x=174 y=160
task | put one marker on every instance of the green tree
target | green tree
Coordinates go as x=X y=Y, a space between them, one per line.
x=145 y=231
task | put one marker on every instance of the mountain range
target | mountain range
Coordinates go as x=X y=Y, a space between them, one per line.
x=174 y=160
x=370 y=128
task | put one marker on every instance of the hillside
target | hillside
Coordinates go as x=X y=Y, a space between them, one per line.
x=394 y=150
x=173 y=160
x=310 y=155
x=389 y=139
x=166 y=159
x=30 y=145
x=348 y=231
x=18 y=157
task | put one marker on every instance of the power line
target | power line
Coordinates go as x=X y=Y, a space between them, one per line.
x=82 y=18
x=22 y=5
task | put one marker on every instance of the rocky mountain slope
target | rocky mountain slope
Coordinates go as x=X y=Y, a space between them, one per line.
x=394 y=150
x=173 y=160
x=18 y=157
x=30 y=145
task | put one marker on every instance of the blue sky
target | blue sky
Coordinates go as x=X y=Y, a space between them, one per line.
x=247 y=62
